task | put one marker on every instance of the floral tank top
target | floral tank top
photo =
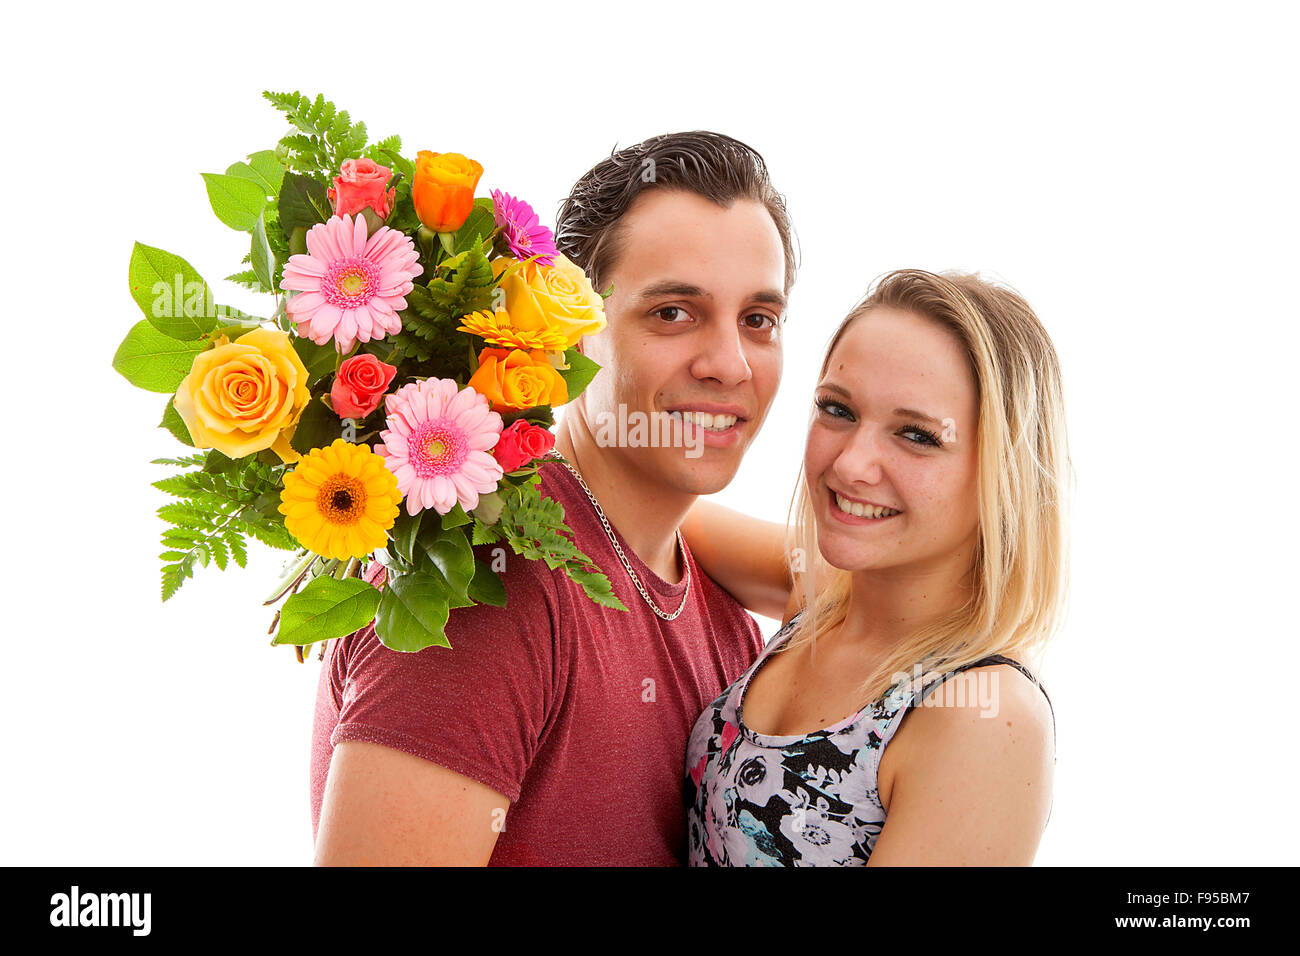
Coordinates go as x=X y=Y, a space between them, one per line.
x=803 y=800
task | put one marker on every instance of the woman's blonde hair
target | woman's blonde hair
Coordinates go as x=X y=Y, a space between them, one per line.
x=1019 y=573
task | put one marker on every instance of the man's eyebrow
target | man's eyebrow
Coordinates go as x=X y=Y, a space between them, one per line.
x=673 y=287
x=771 y=297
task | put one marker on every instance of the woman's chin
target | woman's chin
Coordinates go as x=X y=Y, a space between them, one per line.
x=851 y=556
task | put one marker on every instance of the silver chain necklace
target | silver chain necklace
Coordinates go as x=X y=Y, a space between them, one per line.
x=627 y=565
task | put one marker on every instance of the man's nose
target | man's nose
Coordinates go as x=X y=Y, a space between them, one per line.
x=721 y=355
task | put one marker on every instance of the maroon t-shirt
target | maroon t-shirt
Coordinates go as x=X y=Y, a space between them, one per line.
x=578 y=713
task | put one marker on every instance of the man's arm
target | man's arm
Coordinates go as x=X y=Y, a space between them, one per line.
x=745 y=555
x=430 y=748
x=383 y=807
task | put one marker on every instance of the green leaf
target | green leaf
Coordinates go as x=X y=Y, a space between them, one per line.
x=262 y=168
x=249 y=280
x=153 y=361
x=489 y=508
x=319 y=359
x=327 y=608
x=328 y=135
x=446 y=555
x=485 y=533
x=404 y=531
x=237 y=549
x=390 y=157
x=173 y=422
x=238 y=202
x=580 y=372
x=455 y=517
x=263 y=261
x=302 y=203
x=596 y=586
x=412 y=613
x=317 y=428
x=479 y=225
x=219 y=464
x=486 y=588
x=173 y=297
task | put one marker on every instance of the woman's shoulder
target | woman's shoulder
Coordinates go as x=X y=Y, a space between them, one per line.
x=992 y=701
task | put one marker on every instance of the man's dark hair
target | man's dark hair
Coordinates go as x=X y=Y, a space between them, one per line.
x=711 y=165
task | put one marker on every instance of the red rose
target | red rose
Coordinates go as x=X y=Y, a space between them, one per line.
x=521 y=443
x=360 y=185
x=359 y=385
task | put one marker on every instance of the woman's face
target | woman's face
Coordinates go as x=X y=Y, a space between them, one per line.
x=891 y=456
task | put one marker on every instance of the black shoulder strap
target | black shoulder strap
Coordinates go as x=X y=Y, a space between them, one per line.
x=999 y=659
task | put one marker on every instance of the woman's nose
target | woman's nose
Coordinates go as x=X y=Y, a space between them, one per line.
x=861 y=459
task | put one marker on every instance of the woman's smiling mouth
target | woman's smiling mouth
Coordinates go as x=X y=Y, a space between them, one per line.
x=851 y=507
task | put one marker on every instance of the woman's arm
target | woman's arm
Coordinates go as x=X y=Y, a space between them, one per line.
x=972 y=784
x=744 y=555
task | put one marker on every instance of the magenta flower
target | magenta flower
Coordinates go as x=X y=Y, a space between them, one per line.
x=523 y=231
x=437 y=444
x=350 y=287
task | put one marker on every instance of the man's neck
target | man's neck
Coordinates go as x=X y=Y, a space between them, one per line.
x=646 y=513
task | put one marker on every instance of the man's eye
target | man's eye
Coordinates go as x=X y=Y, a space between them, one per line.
x=759 y=321
x=673 y=314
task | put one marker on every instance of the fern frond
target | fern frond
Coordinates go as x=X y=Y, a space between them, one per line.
x=327 y=136
x=215 y=511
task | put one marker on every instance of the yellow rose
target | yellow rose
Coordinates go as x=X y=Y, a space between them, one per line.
x=558 y=297
x=513 y=379
x=243 y=396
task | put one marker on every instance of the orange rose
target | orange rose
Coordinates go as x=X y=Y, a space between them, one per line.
x=443 y=189
x=513 y=379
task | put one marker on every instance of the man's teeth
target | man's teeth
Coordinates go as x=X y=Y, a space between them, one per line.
x=862 y=510
x=714 y=423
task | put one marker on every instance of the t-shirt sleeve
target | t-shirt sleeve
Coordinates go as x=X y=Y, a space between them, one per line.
x=478 y=708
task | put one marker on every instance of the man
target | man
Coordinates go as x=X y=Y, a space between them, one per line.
x=554 y=730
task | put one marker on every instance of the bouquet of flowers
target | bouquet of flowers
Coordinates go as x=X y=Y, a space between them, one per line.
x=391 y=413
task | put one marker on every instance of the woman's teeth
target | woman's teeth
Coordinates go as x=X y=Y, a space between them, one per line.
x=862 y=510
x=714 y=423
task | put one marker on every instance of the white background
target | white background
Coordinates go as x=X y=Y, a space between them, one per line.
x=1130 y=168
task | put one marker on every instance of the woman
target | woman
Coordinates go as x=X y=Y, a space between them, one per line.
x=895 y=719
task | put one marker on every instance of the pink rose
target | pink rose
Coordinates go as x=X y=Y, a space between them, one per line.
x=359 y=385
x=359 y=186
x=521 y=443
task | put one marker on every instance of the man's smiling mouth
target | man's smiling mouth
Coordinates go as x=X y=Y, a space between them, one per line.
x=707 y=421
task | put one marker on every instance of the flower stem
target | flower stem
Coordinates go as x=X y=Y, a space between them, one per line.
x=291 y=580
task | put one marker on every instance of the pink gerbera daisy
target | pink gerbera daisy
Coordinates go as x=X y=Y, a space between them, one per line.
x=522 y=230
x=350 y=287
x=437 y=444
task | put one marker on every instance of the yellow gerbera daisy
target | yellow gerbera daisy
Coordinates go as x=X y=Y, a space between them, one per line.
x=499 y=330
x=340 y=501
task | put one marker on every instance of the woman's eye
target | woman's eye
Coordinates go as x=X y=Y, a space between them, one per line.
x=833 y=409
x=923 y=437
